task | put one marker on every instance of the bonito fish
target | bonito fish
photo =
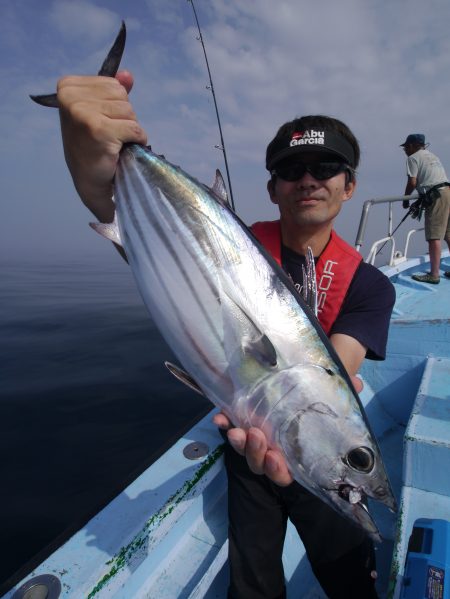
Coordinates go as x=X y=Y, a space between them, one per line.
x=244 y=336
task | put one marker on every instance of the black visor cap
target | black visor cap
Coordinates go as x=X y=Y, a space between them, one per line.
x=313 y=140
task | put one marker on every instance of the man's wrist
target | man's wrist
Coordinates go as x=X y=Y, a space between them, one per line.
x=99 y=202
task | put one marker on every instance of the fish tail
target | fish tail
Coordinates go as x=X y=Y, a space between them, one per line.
x=109 y=68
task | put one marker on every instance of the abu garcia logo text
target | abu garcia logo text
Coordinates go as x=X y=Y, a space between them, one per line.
x=311 y=137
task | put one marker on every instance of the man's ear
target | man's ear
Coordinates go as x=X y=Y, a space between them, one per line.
x=271 y=190
x=349 y=189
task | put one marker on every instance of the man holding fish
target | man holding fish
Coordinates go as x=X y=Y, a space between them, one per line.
x=312 y=164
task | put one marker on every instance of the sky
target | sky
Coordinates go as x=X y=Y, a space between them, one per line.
x=381 y=66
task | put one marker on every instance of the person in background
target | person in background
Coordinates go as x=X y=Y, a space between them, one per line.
x=312 y=163
x=427 y=175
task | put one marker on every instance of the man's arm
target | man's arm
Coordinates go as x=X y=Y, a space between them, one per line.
x=410 y=185
x=350 y=351
x=96 y=119
x=253 y=443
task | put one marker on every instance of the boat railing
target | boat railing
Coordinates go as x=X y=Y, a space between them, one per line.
x=396 y=256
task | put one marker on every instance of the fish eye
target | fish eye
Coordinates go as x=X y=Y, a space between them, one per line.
x=361 y=459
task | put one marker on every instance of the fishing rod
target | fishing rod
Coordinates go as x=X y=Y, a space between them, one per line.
x=211 y=88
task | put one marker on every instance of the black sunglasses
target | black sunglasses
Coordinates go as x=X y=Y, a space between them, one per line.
x=319 y=170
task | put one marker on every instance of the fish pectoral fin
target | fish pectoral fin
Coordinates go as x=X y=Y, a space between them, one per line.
x=219 y=189
x=309 y=289
x=109 y=68
x=183 y=376
x=261 y=349
x=108 y=230
x=247 y=334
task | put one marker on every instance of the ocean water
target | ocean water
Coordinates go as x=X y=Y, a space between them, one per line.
x=86 y=403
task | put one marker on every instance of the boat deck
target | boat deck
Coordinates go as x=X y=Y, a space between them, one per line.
x=430 y=300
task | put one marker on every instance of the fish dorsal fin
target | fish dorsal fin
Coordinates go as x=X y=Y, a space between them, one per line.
x=109 y=230
x=219 y=189
x=109 y=68
x=183 y=376
x=309 y=289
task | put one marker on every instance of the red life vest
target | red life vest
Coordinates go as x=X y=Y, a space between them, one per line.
x=334 y=270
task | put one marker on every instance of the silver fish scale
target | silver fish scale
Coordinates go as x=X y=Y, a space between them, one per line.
x=190 y=199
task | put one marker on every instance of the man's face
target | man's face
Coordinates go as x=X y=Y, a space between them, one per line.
x=309 y=201
x=410 y=149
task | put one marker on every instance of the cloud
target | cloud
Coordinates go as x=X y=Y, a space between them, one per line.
x=165 y=13
x=82 y=20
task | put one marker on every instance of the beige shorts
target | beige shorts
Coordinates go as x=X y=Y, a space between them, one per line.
x=437 y=217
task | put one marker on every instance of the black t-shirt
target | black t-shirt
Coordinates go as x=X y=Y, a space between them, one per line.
x=367 y=307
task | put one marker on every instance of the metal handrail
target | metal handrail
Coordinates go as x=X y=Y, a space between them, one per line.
x=394 y=257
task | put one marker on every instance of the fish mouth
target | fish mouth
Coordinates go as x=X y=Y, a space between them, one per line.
x=351 y=494
x=353 y=501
